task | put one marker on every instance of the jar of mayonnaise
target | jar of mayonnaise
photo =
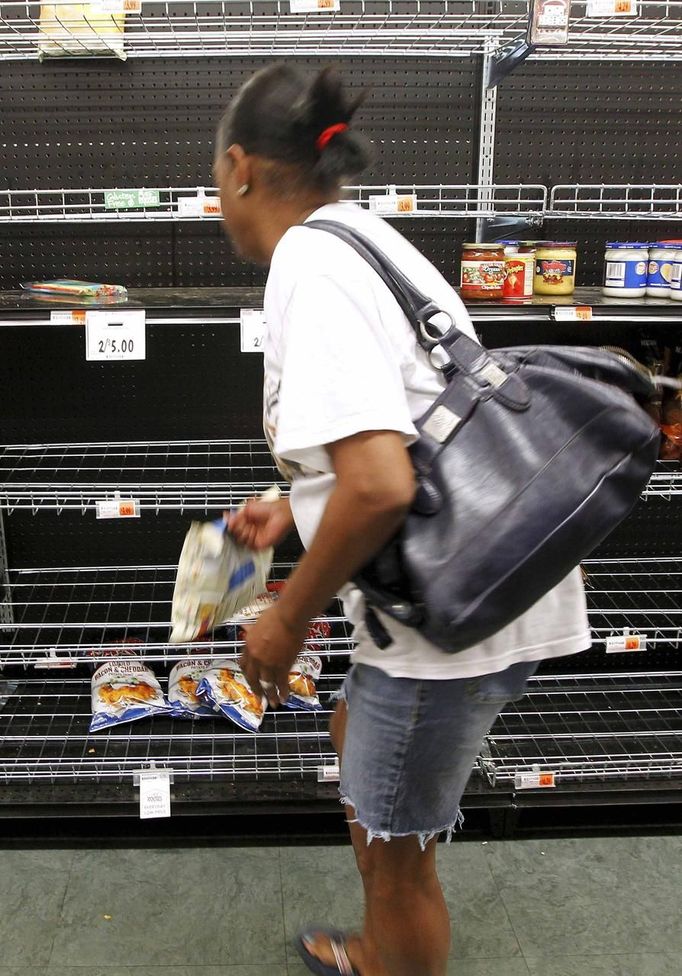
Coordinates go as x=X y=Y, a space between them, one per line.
x=625 y=270
x=676 y=276
x=661 y=257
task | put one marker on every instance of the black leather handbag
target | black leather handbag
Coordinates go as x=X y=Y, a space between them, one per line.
x=529 y=458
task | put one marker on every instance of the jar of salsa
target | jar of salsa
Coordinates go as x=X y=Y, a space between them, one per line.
x=483 y=272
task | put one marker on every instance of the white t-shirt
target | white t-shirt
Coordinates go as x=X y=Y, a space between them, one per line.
x=341 y=358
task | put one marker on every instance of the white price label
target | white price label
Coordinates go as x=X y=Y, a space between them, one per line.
x=622 y=643
x=328 y=774
x=252 y=329
x=393 y=203
x=155 y=798
x=200 y=206
x=72 y=317
x=572 y=313
x=53 y=660
x=314 y=6
x=116 y=6
x=612 y=8
x=116 y=508
x=112 y=335
x=534 y=781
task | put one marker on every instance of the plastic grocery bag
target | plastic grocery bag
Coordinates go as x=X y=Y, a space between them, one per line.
x=216 y=578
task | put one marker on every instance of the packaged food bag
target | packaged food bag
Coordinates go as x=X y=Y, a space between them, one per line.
x=125 y=690
x=303 y=679
x=216 y=578
x=80 y=29
x=183 y=689
x=227 y=690
x=68 y=288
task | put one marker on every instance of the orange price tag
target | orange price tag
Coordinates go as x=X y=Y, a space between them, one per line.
x=132 y=6
x=583 y=313
x=546 y=779
x=115 y=508
x=405 y=204
x=212 y=209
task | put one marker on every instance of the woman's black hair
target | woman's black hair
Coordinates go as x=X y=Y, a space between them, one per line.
x=280 y=114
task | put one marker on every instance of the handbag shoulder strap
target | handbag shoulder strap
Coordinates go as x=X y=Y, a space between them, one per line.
x=418 y=308
x=463 y=353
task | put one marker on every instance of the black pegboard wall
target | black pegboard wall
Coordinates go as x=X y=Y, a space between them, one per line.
x=97 y=124
x=586 y=122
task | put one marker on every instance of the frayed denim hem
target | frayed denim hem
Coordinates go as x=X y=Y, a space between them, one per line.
x=423 y=836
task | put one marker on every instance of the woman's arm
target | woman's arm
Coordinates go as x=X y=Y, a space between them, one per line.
x=374 y=490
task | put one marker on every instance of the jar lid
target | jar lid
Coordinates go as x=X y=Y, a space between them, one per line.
x=621 y=245
x=556 y=243
x=673 y=244
x=509 y=242
x=483 y=247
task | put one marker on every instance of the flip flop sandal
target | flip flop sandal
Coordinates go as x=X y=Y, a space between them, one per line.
x=337 y=939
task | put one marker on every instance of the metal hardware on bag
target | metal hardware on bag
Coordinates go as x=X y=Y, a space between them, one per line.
x=425 y=322
x=441 y=424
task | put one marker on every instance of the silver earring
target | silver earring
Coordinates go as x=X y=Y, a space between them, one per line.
x=243 y=190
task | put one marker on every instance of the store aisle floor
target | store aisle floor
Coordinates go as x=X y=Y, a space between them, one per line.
x=578 y=907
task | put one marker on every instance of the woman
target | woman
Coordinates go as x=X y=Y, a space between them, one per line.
x=344 y=381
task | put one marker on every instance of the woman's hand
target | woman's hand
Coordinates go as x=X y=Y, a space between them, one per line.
x=271 y=647
x=259 y=524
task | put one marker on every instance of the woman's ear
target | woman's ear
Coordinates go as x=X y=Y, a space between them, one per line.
x=239 y=164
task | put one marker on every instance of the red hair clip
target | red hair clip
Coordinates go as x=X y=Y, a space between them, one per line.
x=325 y=137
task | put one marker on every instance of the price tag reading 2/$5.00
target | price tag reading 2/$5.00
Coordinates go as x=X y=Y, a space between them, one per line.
x=115 y=335
x=252 y=329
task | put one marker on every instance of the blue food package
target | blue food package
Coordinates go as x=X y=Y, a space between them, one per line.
x=183 y=689
x=226 y=689
x=125 y=690
x=303 y=678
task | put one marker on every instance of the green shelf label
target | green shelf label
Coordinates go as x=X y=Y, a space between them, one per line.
x=130 y=199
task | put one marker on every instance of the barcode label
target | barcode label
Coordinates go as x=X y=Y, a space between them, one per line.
x=328 y=774
x=615 y=272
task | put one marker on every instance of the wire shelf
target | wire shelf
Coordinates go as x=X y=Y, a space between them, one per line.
x=236 y=28
x=176 y=28
x=69 y=615
x=192 y=476
x=591 y=727
x=135 y=205
x=44 y=736
x=642 y=596
x=654 y=201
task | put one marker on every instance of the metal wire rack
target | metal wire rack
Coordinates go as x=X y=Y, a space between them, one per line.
x=160 y=475
x=666 y=481
x=44 y=735
x=591 y=727
x=198 y=476
x=286 y=28
x=65 y=615
x=656 y=201
x=135 y=205
x=639 y=596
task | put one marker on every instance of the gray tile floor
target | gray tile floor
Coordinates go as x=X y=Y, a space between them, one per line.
x=581 y=907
